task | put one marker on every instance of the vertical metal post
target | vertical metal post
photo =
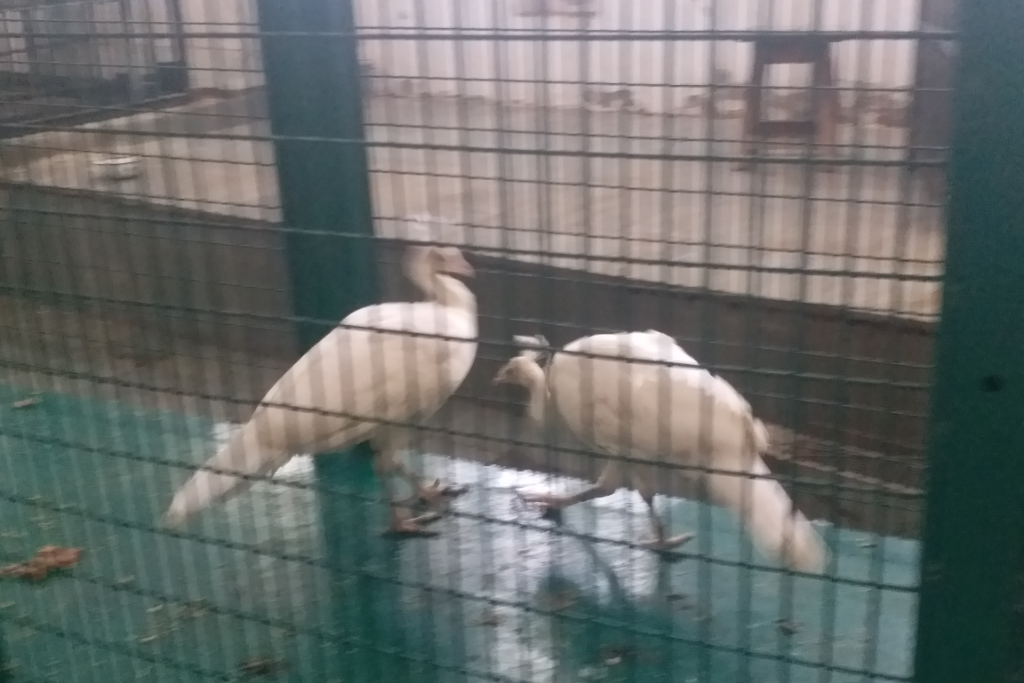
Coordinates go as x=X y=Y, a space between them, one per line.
x=315 y=109
x=180 y=49
x=5 y=670
x=974 y=527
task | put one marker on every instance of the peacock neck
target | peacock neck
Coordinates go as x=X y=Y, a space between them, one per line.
x=420 y=273
x=537 y=387
x=437 y=286
x=451 y=293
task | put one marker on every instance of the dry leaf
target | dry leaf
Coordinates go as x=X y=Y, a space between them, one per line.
x=261 y=666
x=47 y=559
x=488 y=617
x=788 y=627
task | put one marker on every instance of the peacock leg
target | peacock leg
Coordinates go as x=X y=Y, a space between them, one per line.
x=606 y=485
x=435 y=495
x=404 y=524
x=660 y=541
x=401 y=518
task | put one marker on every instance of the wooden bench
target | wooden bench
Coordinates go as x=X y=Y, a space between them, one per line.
x=813 y=49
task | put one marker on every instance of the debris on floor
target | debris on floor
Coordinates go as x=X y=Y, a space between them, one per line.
x=26 y=402
x=679 y=600
x=192 y=609
x=592 y=673
x=788 y=627
x=49 y=558
x=260 y=666
x=558 y=600
x=612 y=655
x=488 y=617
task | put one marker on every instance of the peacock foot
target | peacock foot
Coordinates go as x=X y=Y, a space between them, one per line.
x=438 y=495
x=550 y=504
x=404 y=524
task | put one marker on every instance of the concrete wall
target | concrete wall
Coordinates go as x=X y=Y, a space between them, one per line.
x=222 y=63
x=657 y=76
x=181 y=274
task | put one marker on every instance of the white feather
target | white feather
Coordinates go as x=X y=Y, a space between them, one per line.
x=663 y=411
x=381 y=365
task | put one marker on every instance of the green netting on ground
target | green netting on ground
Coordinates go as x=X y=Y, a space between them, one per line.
x=497 y=596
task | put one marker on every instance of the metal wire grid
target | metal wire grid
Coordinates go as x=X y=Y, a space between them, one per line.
x=56 y=71
x=508 y=174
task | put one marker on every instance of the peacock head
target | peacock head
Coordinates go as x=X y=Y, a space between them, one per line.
x=447 y=260
x=425 y=257
x=517 y=370
x=525 y=368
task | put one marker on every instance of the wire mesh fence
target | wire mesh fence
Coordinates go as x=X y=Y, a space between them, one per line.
x=73 y=61
x=612 y=174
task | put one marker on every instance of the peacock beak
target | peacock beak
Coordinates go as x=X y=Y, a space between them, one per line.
x=457 y=264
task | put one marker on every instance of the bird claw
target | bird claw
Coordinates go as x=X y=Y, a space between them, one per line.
x=663 y=545
x=548 y=500
x=551 y=505
x=438 y=494
x=404 y=525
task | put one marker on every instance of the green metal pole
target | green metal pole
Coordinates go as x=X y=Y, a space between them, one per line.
x=974 y=527
x=315 y=109
x=5 y=666
x=313 y=92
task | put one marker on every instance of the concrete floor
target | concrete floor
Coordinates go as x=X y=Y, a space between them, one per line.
x=860 y=237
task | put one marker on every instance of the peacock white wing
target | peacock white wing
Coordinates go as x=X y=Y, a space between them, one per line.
x=642 y=396
x=344 y=390
x=595 y=398
x=741 y=481
x=665 y=412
